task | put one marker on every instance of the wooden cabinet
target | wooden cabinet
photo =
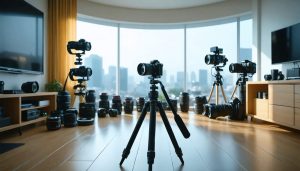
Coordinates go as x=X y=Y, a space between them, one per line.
x=283 y=102
x=12 y=105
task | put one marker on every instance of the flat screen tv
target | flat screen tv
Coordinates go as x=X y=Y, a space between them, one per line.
x=286 y=44
x=21 y=37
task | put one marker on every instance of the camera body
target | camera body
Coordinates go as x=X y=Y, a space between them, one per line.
x=246 y=67
x=82 y=71
x=216 y=58
x=154 y=68
x=79 y=45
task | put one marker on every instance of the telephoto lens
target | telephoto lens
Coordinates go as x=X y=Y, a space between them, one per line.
x=184 y=101
x=104 y=103
x=90 y=96
x=140 y=104
x=70 y=118
x=87 y=110
x=117 y=104
x=128 y=105
x=113 y=112
x=199 y=104
x=63 y=100
x=102 y=112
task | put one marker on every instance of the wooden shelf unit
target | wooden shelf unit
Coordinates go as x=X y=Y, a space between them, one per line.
x=11 y=104
x=281 y=107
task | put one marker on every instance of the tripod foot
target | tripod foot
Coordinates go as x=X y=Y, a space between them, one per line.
x=150 y=167
x=124 y=155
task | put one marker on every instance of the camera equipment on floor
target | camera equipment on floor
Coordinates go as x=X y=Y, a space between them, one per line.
x=154 y=69
x=117 y=104
x=216 y=59
x=53 y=122
x=200 y=101
x=236 y=108
x=81 y=75
x=184 y=101
x=128 y=105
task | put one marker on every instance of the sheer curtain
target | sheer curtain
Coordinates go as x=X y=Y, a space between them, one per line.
x=62 y=16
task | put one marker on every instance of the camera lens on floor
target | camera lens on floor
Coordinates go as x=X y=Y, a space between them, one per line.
x=128 y=105
x=104 y=103
x=184 y=101
x=113 y=112
x=70 y=118
x=140 y=104
x=87 y=110
x=102 y=112
x=117 y=104
x=199 y=104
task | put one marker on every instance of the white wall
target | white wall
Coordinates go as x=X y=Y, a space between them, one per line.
x=14 y=81
x=185 y=15
x=272 y=15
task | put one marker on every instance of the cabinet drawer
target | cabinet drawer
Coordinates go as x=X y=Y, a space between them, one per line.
x=297 y=118
x=262 y=108
x=297 y=89
x=281 y=95
x=282 y=114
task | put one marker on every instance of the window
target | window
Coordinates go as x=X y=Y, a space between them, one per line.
x=102 y=58
x=169 y=46
x=144 y=45
x=199 y=41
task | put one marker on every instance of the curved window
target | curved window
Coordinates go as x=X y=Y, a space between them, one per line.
x=144 y=45
x=180 y=50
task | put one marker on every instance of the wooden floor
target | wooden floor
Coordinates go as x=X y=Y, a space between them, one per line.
x=213 y=145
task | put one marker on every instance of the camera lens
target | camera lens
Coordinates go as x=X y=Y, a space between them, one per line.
x=90 y=96
x=102 y=112
x=113 y=112
x=70 y=118
x=87 y=110
x=30 y=87
x=199 y=104
x=144 y=69
x=128 y=105
x=117 y=104
x=104 y=103
x=268 y=77
x=184 y=101
x=140 y=104
x=63 y=100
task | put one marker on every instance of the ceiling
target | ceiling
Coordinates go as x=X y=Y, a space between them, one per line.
x=156 y=4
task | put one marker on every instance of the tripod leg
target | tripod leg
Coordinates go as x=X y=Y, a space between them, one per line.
x=134 y=133
x=233 y=91
x=211 y=92
x=225 y=100
x=170 y=132
x=151 y=140
x=217 y=95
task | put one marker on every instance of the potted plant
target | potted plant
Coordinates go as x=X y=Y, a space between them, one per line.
x=54 y=86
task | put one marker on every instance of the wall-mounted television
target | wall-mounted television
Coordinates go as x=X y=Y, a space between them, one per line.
x=286 y=44
x=21 y=37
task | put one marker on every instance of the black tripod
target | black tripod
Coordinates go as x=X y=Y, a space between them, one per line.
x=241 y=85
x=153 y=103
x=219 y=83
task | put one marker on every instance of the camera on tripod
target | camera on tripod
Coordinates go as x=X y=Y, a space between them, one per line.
x=155 y=69
x=245 y=67
x=78 y=48
x=215 y=59
x=82 y=71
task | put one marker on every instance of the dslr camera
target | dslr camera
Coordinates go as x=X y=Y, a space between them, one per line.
x=155 y=69
x=245 y=67
x=82 y=71
x=81 y=45
x=215 y=59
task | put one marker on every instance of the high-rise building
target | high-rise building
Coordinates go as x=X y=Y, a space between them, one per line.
x=203 y=77
x=96 y=64
x=123 y=79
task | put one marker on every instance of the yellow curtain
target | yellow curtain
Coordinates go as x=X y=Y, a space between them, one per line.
x=62 y=16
